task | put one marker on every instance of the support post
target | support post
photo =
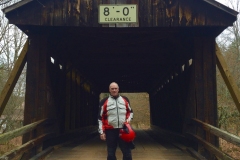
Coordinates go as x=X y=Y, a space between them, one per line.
x=13 y=78
x=228 y=78
x=39 y=96
x=205 y=86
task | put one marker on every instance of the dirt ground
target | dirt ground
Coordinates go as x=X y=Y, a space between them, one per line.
x=15 y=142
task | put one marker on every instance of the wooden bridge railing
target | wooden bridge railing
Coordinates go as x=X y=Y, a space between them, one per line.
x=217 y=132
x=56 y=140
x=30 y=144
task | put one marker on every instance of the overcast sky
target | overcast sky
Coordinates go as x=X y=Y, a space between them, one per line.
x=221 y=1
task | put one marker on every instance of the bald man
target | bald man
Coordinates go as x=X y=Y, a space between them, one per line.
x=114 y=111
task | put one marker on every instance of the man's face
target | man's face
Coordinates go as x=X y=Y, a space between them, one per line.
x=113 y=89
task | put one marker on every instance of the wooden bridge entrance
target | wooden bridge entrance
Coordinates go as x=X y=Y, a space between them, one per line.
x=170 y=53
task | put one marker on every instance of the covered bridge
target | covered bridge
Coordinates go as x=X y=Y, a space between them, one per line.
x=169 y=52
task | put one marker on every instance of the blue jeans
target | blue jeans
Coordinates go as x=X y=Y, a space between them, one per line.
x=113 y=140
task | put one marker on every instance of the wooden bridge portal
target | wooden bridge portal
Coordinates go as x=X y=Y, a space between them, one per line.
x=170 y=53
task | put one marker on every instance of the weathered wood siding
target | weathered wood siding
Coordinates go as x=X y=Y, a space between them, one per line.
x=60 y=94
x=152 y=13
x=189 y=91
x=39 y=101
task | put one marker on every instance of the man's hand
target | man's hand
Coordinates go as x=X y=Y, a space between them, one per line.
x=103 y=137
x=128 y=120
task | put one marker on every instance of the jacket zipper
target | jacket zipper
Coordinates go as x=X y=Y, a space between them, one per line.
x=117 y=112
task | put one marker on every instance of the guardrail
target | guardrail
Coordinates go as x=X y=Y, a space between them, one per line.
x=18 y=151
x=56 y=140
x=217 y=132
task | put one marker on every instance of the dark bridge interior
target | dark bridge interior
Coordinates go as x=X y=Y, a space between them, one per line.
x=158 y=61
x=137 y=58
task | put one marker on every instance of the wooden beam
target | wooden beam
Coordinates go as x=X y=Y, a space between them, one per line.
x=12 y=80
x=68 y=98
x=218 y=132
x=20 y=131
x=42 y=154
x=211 y=148
x=228 y=78
x=195 y=154
x=15 y=6
x=204 y=64
x=25 y=147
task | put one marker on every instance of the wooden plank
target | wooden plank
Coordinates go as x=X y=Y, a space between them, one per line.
x=228 y=78
x=191 y=14
x=62 y=102
x=57 y=9
x=43 y=96
x=82 y=104
x=37 y=88
x=172 y=13
x=201 y=14
x=44 y=18
x=74 y=100
x=210 y=95
x=205 y=73
x=159 y=13
x=20 y=131
x=30 y=110
x=50 y=9
x=190 y=110
x=15 y=6
x=42 y=154
x=171 y=136
x=84 y=13
x=68 y=98
x=89 y=6
x=211 y=148
x=65 y=12
x=78 y=108
x=199 y=79
x=73 y=12
x=13 y=78
x=218 y=132
x=83 y=108
x=56 y=94
x=145 y=13
x=195 y=154
x=25 y=147
x=147 y=148
x=199 y=86
x=95 y=12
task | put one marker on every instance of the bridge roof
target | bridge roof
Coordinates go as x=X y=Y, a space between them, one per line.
x=210 y=2
x=162 y=14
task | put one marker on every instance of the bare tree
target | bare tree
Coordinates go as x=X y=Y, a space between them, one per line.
x=11 y=43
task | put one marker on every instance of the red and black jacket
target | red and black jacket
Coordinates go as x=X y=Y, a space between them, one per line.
x=113 y=112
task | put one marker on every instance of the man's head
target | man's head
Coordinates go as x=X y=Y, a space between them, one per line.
x=113 y=89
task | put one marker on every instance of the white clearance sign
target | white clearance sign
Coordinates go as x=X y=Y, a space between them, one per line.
x=117 y=13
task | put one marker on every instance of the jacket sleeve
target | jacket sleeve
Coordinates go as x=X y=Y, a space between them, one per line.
x=101 y=128
x=100 y=124
x=129 y=111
